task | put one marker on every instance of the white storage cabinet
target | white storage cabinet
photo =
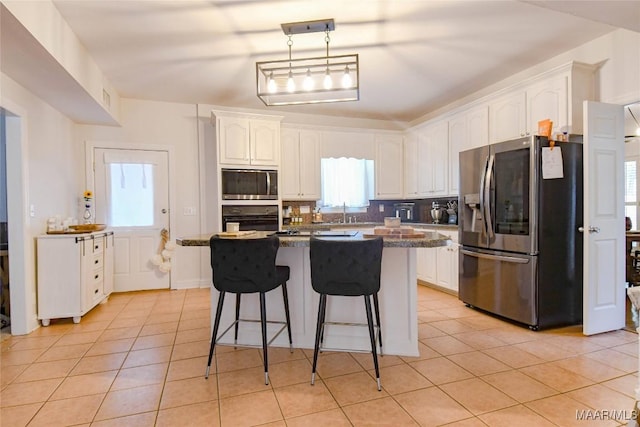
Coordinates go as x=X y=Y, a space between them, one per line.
x=75 y=273
x=389 y=173
x=439 y=266
x=247 y=140
x=300 y=168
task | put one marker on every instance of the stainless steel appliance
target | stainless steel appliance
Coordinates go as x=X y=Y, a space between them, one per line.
x=249 y=184
x=405 y=211
x=521 y=255
x=253 y=217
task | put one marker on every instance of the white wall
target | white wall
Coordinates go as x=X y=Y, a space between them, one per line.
x=52 y=176
x=173 y=126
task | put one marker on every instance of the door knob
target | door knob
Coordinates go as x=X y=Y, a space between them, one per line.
x=163 y=211
x=591 y=229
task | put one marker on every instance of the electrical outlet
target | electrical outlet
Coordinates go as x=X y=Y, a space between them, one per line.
x=381 y=208
x=305 y=209
x=189 y=211
x=32 y=211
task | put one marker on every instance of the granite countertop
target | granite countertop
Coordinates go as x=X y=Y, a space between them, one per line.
x=431 y=240
x=357 y=225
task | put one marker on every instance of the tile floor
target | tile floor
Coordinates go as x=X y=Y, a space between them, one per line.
x=139 y=361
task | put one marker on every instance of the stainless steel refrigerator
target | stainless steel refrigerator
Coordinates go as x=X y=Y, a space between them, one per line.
x=520 y=210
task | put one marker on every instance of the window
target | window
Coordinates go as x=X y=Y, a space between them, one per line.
x=131 y=195
x=346 y=181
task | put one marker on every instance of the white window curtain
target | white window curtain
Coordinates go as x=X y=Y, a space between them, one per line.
x=346 y=181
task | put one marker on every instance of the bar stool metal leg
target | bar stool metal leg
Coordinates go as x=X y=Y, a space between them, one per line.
x=214 y=334
x=263 y=321
x=285 y=296
x=376 y=307
x=322 y=306
x=372 y=336
x=235 y=337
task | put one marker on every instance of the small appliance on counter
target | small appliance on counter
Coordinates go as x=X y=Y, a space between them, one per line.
x=438 y=213
x=405 y=211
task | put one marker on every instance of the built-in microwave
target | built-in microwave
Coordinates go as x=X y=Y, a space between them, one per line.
x=249 y=184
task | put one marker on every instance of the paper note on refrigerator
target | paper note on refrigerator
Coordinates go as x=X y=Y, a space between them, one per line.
x=552 y=163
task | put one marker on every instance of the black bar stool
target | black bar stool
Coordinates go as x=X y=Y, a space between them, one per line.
x=347 y=268
x=246 y=266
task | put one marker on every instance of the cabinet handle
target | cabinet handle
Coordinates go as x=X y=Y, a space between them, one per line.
x=96 y=261
x=96 y=276
x=95 y=292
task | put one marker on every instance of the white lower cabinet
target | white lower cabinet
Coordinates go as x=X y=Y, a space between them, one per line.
x=75 y=273
x=439 y=266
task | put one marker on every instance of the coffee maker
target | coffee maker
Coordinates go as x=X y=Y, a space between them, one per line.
x=405 y=211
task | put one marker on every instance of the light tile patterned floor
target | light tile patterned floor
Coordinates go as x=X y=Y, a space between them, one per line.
x=139 y=361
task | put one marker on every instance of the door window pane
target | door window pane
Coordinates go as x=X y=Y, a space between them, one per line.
x=131 y=198
x=512 y=192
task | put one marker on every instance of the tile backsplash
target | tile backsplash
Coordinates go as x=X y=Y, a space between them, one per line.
x=373 y=214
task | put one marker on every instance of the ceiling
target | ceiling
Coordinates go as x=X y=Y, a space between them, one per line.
x=415 y=55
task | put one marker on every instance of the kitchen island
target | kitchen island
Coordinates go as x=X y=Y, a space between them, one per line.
x=398 y=298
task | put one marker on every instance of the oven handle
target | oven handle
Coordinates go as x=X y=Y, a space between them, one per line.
x=495 y=257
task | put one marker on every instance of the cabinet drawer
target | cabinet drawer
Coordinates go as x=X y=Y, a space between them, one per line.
x=97 y=262
x=98 y=245
x=96 y=291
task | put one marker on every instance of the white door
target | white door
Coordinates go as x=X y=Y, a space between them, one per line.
x=604 y=238
x=132 y=198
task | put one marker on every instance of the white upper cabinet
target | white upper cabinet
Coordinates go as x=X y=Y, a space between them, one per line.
x=508 y=117
x=248 y=141
x=468 y=129
x=300 y=168
x=557 y=96
x=411 y=165
x=433 y=159
x=265 y=142
x=389 y=167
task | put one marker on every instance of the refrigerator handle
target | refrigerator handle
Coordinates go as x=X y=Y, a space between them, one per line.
x=487 y=197
x=481 y=192
x=495 y=257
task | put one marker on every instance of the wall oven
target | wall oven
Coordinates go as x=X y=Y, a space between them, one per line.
x=249 y=184
x=251 y=217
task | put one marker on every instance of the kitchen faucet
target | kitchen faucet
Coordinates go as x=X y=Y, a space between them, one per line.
x=344 y=212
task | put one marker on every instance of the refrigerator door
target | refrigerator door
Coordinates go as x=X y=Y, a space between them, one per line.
x=511 y=187
x=501 y=283
x=471 y=205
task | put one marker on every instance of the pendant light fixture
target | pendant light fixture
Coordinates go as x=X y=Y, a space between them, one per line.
x=308 y=80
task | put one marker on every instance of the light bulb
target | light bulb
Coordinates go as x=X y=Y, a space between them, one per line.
x=308 y=81
x=272 y=87
x=291 y=85
x=327 y=83
x=346 y=78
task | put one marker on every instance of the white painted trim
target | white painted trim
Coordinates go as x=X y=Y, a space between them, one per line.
x=90 y=174
x=22 y=263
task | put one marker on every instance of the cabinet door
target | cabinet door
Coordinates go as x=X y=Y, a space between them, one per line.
x=108 y=264
x=507 y=116
x=436 y=142
x=233 y=140
x=428 y=265
x=290 y=167
x=457 y=143
x=447 y=260
x=411 y=166
x=477 y=127
x=265 y=142
x=309 y=161
x=388 y=167
x=548 y=100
